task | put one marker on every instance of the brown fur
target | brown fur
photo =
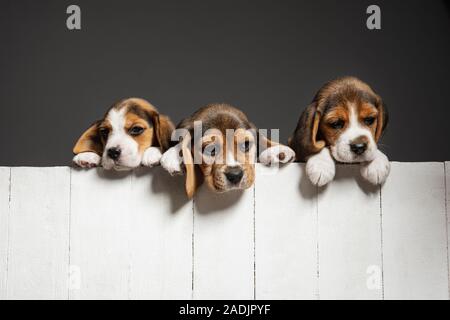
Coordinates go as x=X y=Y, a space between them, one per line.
x=331 y=103
x=157 y=127
x=221 y=117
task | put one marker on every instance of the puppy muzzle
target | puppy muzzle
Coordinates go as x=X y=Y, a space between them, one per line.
x=234 y=175
x=231 y=178
x=360 y=149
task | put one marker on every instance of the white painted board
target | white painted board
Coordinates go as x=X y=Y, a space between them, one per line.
x=161 y=218
x=286 y=234
x=414 y=232
x=4 y=226
x=447 y=208
x=350 y=253
x=100 y=255
x=136 y=236
x=39 y=233
x=223 y=245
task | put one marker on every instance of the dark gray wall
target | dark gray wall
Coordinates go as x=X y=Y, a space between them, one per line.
x=266 y=57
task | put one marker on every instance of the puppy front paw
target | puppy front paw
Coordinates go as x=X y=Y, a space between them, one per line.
x=277 y=154
x=171 y=161
x=376 y=171
x=87 y=160
x=321 y=168
x=151 y=157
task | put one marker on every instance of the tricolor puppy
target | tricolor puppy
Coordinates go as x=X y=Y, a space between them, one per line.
x=220 y=141
x=343 y=123
x=132 y=133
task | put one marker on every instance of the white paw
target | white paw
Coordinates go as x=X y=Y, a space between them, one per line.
x=321 y=168
x=151 y=157
x=171 y=161
x=277 y=154
x=377 y=170
x=87 y=160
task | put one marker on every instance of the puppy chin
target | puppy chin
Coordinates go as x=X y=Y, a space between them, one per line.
x=220 y=184
x=342 y=153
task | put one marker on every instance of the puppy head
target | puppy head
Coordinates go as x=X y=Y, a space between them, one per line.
x=347 y=116
x=222 y=143
x=227 y=158
x=126 y=131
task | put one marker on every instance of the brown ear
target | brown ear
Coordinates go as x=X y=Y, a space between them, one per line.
x=263 y=142
x=191 y=178
x=305 y=141
x=89 y=141
x=382 y=119
x=163 y=130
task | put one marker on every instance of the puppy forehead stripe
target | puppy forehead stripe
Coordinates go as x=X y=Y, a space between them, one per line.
x=354 y=123
x=117 y=119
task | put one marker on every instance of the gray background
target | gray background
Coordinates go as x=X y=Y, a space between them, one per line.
x=266 y=57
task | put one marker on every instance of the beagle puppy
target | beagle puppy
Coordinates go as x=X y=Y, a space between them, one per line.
x=343 y=123
x=221 y=145
x=132 y=133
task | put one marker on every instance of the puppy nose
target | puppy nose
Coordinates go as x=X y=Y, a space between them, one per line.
x=358 y=148
x=234 y=174
x=114 y=153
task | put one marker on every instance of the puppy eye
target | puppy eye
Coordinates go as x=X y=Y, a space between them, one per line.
x=136 y=130
x=104 y=132
x=338 y=124
x=245 y=146
x=369 y=121
x=211 y=150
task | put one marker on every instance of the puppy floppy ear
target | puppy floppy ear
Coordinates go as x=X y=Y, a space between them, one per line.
x=305 y=141
x=163 y=130
x=382 y=119
x=191 y=177
x=262 y=142
x=89 y=141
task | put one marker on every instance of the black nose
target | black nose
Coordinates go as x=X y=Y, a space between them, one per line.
x=234 y=174
x=358 y=148
x=114 y=153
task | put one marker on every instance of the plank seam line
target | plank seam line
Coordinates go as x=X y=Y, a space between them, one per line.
x=317 y=245
x=8 y=249
x=446 y=225
x=382 y=243
x=70 y=227
x=254 y=242
x=130 y=251
x=192 y=249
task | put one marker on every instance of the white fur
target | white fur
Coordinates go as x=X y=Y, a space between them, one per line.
x=377 y=170
x=272 y=155
x=231 y=160
x=341 y=150
x=171 y=160
x=321 y=168
x=87 y=160
x=151 y=157
x=119 y=138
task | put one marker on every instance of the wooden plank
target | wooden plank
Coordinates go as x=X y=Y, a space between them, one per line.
x=223 y=245
x=414 y=232
x=161 y=239
x=350 y=252
x=286 y=234
x=447 y=209
x=100 y=234
x=39 y=233
x=4 y=226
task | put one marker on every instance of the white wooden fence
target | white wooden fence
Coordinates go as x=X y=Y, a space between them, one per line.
x=70 y=234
